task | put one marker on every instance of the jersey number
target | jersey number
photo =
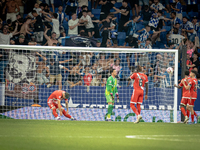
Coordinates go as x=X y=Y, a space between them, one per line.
x=140 y=82
x=175 y=41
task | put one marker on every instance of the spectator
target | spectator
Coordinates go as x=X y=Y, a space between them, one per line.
x=175 y=19
x=73 y=25
x=144 y=61
x=71 y=6
x=188 y=63
x=106 y=7
x=21 y=40
x=5 y=36
x=146 y=15
x=196 y=24
x=87 y=77
x=96 y=81
x=103 y=66
x=93 y=70
x=11 y=7
x=95 y=22
x=82 y=3
x=156 y=6
x=20 y=22
x=116 y=66
x=25 y=28
x=84 y=7
x=50 y=2
x=189 y=28
x=74 y=78
x=132 y=25
x=21 y=7
x=134 y=6
x=195 y=62
x=41 y=78
x=175 y=37
x=178 y=9
x=103 y=83
x=146 y=45
x=86 y=19
x=85 y=58
x=61 y=17
x=56 y=24
x=38 y=27
x=10 y=25
x=192 y=6
x=125 y=15
x=96 y=3
x=55 y=72
x=51 y=40
x=191 y=47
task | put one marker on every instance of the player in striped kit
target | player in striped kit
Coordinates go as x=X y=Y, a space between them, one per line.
x=54 y=104
x=140 y=79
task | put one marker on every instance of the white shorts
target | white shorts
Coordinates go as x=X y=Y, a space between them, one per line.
x=11 y=16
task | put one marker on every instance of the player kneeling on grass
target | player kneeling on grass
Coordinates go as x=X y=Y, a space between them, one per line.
x=54 y=103
x=140 y=79
x=111 y=91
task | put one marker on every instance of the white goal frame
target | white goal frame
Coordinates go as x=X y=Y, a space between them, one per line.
x=100 y=49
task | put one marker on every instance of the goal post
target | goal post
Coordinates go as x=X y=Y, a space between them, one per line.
x=159 y=94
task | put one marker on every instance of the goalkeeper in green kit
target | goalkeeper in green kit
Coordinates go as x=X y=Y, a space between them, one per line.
x=111 y=91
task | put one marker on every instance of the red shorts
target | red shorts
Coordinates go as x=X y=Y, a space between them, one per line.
x=52 y=105
x=184 y=101
x=137 y=97
x=191 y=102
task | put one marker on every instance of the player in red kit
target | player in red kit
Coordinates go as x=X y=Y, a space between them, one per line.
x=140 y=79
x=185 y=95
x=54 y=103
x=192 y=86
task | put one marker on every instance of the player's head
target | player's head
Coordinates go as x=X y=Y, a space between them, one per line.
x=139 y=68
x=193 y=73
x=65 y=95
x=113 y=72
x=187 y=73
x=84 y=12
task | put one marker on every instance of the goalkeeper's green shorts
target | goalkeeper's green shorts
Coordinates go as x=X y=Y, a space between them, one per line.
x=109 y=99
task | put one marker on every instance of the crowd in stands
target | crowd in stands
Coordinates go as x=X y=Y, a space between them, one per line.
x=159 y=24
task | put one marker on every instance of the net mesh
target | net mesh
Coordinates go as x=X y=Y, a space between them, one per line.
x=28 y=77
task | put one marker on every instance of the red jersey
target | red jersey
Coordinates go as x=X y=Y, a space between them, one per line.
x=189 y=62
x=186 y=93
x=139 y=80
x=87 y=79
x=193 y=87
x=55 y=96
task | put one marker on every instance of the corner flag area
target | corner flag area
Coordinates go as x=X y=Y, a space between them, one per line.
x=80 y=135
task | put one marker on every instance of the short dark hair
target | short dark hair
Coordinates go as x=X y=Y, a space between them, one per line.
x=27 y=19
x=174 y=13
x=60 y=6
x=67 y=95
x=111 y=70
x=194 y=71
x=73 y=13
x=33 y=11
x=9 y=21
x=160 y=11
x=185 y=17
x=55 y=15
x=21 y=20
x=139 y=68
x=134 y=17
x=115 y=42
x=84 y=11
x=149 y=39
x=89 y=11
x=84 y=6
x=125 y=1
x=187 y=72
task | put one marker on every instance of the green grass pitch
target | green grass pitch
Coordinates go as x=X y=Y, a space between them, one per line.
x=85 y=135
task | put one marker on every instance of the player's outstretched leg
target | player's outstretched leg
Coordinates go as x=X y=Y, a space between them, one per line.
x=67 y=115
x=55 y=114
x=139 y=117
x=132 y=105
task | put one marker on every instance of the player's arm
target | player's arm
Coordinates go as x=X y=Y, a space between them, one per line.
x=187 y=87
x=67 y=60
x=177 y=86
x=147 y=90
x=67 y=106
x=116 y=91
x=109 y=87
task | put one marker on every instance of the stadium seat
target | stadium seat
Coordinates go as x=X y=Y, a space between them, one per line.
x=96 y=13
x=192 y=14
x=185 y=14
x=118 y=5
x=139 y=26
x=121 y=38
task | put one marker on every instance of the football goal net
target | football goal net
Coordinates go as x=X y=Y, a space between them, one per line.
x=30 y=74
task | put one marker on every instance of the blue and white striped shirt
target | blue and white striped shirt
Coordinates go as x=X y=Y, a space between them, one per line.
x=159 y=6
x=143 y=37
x=178 y=6
x=188 y=26
x=72 y=3
x=191 y=2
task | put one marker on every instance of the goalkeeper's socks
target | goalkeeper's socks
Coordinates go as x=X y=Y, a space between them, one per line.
x=192 y=116
x=55 y=113
x=138 y=108
x=109 y=111
x=134 y=109
x=65 y=114
x=183 y=111
x=188 y=113
x=195 y=113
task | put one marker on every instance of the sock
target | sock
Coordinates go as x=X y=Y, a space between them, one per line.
x=183 y=111
x=65 y=114
x=192 y=116
x=195 y=113
x=112 y=109
x=109 y=111
x=55 y=113
x=188 y=113
x=134 y=109
x=138 y=108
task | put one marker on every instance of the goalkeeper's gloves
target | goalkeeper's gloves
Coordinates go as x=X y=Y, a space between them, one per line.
x=117 y=97
x=111 y=94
